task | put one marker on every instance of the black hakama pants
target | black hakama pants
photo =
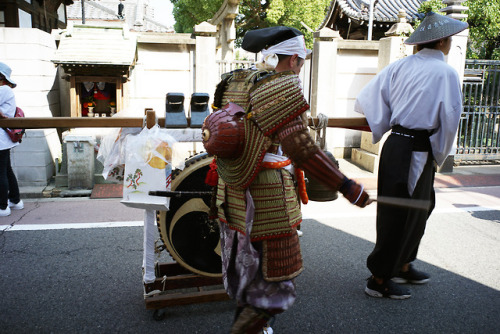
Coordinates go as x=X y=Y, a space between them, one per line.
x=400 y=229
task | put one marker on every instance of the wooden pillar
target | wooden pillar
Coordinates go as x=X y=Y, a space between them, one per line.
x=150 y=118
x=74 y=108
x=119 y=95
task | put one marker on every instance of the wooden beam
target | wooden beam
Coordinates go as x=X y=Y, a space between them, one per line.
x=161 y=301
x=123 y=122
x=72 y=122
x=346 y=122
x=182 y=282
x=82 y=78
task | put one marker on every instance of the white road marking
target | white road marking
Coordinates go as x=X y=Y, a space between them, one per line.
x=307 y=214
x=37 y=227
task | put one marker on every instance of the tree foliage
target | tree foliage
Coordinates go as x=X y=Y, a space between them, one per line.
x=300 y=14
x=429 y=6
x=484 y=29
x=484 y=26
x=188 y=13
x=254 y=14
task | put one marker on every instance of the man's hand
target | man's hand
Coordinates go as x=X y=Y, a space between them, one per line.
x=2 y=115
x=355 y=193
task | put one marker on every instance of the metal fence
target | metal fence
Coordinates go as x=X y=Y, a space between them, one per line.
x=478 y=132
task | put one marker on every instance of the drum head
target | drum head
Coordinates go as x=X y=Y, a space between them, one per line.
x=189 y=236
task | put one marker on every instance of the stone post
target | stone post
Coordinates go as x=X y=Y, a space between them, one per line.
x=323 y=71
x=456 y=58
x=391 y=49
x=223 y=20
x=205 y=71
x=228 y=35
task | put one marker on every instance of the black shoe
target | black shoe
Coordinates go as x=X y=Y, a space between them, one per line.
x=412 y=276
x=387 y=289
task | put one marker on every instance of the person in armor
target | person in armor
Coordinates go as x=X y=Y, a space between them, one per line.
x=257 y=202
x=419 y=99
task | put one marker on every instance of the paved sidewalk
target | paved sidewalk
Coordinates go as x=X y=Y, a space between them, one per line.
x=462 y=176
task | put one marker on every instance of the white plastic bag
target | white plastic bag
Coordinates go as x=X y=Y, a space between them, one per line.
x=112 y=153
x=148 y=167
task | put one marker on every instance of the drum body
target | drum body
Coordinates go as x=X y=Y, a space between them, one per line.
x=191 y=238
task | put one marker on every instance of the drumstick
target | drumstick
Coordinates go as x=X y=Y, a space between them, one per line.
x=406 y=202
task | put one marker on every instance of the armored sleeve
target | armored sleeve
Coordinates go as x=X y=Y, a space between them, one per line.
x=298 y=144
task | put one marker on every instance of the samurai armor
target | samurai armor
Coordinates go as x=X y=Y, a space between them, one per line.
x=223 y=132
x=277 y=209
x=281 y=258
x=274 y=101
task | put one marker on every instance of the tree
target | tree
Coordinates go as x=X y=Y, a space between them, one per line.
x=254 y=14
x=300 y=14
x=484 y=26
x=188 y=13
x=484 y=29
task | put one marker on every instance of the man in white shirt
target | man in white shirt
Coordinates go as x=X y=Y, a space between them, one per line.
x=419 y=98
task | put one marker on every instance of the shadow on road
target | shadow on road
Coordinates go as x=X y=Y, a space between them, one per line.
x=89 y=281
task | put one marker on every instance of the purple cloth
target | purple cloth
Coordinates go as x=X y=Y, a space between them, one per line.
x=241 y=270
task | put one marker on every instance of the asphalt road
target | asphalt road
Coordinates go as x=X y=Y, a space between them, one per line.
x=76 y=279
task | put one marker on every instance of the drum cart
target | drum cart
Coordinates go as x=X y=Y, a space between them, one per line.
x=197 y=255
x=172 y=276
x=189 y=196
x=190 y=238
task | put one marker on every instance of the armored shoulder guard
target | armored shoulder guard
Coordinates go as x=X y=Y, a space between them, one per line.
x=275 y=101
x=235 y=87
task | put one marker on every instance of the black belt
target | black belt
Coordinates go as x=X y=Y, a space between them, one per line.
x=420 y=138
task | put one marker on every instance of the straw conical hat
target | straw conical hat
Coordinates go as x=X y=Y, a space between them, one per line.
x=435 y=27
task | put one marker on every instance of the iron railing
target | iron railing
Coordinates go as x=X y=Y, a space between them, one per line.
x=478 y=133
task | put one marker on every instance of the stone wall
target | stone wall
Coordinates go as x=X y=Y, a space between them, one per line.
x=28 y=52
x=340 y=70
x=165 y=63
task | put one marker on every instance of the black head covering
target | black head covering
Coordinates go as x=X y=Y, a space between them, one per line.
x=259 y=39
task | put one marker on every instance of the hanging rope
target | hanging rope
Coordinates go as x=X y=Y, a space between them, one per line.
x=320 y=129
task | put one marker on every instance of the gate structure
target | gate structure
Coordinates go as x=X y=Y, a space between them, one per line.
x=478 y=131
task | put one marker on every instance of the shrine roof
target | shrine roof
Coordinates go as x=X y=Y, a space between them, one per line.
x=94 y=45
x=384 y=11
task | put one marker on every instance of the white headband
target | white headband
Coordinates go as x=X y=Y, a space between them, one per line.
x=295 y=45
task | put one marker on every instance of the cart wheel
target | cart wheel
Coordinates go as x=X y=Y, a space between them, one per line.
x=159 y=315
